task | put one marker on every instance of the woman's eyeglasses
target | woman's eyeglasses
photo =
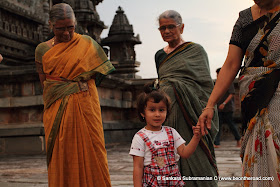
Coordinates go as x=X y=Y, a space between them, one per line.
x=169 y=27
x=62 y=29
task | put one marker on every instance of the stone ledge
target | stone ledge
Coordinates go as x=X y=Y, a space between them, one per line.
x=122 y=125
x=34 y=129
x=115 y=103
x=37 y=129
x=10 y=102
x=29 y=139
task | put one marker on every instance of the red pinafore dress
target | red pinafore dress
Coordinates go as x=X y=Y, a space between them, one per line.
x=163 y=165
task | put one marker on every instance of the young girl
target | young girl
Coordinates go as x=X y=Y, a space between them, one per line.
x=155 y=148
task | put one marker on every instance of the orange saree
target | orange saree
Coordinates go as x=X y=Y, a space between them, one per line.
x=76 y=152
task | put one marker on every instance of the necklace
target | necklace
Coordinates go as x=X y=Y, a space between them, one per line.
x=53 y=41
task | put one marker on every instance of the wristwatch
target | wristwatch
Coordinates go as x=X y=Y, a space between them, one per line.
x=224 y=103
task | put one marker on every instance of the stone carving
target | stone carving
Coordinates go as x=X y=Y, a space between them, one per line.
x=88 y=19
x=96 y=2
x=21 y=26
x=31 y=9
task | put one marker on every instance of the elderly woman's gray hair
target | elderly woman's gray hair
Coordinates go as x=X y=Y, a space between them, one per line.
x=61 y=11
x=171 y=14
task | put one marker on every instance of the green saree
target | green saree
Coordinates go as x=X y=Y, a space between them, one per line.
x=184 y=76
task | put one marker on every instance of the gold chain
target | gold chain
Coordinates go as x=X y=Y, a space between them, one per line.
x=53 y=41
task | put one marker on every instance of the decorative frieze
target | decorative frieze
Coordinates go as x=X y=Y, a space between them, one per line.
x=15 y=25
x=30 y=9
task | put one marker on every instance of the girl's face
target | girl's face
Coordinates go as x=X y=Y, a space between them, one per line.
x=154 y=114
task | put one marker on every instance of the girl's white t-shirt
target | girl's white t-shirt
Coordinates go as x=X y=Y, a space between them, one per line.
x=158 y=139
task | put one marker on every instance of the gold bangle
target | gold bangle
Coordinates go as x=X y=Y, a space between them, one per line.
x=208 y=108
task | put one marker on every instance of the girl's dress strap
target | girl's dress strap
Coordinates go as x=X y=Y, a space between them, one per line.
x=147 y=141
x=170 y=135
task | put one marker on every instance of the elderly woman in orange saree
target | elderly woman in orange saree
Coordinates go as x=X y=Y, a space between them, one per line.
x=70 y=66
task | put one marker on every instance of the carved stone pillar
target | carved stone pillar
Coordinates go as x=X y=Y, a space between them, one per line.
x=46 y=28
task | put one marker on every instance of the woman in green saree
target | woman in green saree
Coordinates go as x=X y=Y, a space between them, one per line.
x=183 y=72
x=256 y=38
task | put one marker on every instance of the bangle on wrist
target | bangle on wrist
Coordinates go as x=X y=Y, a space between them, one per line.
x=224 y=103
x=206 y=108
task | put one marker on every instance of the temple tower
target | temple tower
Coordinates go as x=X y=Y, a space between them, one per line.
x=121 y=41
x=88 y=19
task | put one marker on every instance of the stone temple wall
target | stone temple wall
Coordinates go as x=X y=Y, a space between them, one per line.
x=23 y=25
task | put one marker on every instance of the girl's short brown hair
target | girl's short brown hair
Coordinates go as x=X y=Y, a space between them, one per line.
x=151 y=91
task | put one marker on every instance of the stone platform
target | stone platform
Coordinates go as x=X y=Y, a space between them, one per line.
x=31 y=171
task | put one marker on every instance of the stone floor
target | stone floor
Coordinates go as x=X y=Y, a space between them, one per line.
x=31 y=171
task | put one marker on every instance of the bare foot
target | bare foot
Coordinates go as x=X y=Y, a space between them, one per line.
x=238 y=143
x=217 y=146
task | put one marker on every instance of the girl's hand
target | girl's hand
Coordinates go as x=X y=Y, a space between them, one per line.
x=197 y=131
x=221 y=106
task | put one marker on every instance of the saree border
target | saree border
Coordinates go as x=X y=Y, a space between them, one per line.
x=191 y=123
x=177 y=51
x=55 y=128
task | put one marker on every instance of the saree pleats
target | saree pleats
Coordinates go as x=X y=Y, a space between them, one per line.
x=184 y=76
x=78 y=156
x=260 y=102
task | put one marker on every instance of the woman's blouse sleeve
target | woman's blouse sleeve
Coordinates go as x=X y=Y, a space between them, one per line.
x=40 y=50
x=245 y=18
x=159 y=56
